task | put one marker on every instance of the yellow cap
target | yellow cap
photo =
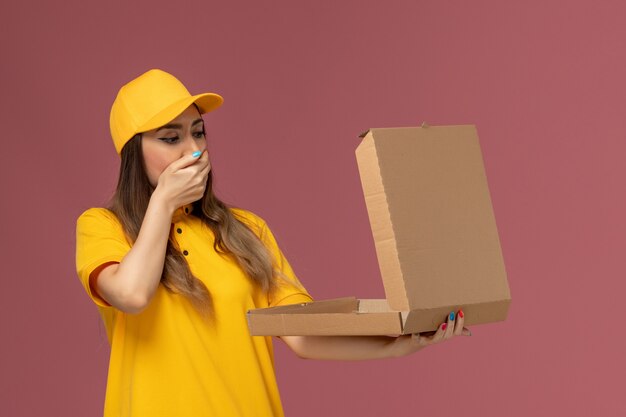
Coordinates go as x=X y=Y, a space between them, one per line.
x=150 y=101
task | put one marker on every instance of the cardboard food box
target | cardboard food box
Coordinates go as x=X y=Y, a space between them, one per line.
x=435 y=236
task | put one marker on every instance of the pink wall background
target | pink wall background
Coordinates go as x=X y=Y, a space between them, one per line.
x=542 y=80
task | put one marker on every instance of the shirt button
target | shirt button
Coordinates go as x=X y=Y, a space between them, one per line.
x=179 y=230
x=185 y=253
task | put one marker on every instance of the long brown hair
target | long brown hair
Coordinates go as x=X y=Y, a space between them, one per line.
x=232 y=236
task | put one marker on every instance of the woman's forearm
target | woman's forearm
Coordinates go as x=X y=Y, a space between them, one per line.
x=137 y=276
x=143 y=265
x=355 y=348
x=347 y=348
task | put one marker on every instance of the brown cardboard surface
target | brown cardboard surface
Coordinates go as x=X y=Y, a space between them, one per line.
x=352 y=316
x=344 y=316
x=430 y=210
x=435 y=236
x=286 y=322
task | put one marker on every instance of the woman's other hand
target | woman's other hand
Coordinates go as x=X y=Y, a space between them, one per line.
x=184 y=180
x=406 y=344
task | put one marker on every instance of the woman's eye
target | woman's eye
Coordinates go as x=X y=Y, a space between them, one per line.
x=200 y=134
x=170 y=140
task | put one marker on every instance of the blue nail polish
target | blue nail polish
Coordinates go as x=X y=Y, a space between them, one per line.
x=196 y=154
x=451 y=316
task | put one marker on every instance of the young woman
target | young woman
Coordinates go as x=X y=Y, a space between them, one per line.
x=173 y=271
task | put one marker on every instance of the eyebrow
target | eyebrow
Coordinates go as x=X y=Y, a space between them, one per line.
x=178 y=125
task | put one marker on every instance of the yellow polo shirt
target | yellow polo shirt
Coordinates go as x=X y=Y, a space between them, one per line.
x=167 y=361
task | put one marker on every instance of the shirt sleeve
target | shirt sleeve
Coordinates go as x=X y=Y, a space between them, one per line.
x=99 y=239
x=288 y=292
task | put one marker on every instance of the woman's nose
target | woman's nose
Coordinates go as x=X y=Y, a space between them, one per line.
x=194 y=145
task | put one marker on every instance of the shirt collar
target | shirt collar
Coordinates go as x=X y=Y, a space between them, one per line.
x=182 y=213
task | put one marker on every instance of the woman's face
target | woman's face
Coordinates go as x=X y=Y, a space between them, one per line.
x=182 y=136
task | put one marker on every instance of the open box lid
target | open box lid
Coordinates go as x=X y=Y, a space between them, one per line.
x=431 y=216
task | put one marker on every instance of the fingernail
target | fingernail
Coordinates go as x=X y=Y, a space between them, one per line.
x=443 y=326
x=196 y=154
x=452 y=316
x=461 y=313
x=470 y=332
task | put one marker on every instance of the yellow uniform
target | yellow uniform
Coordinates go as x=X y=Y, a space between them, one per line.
x=167 y=361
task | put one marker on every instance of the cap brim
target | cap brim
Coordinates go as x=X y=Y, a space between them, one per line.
x=206 y=102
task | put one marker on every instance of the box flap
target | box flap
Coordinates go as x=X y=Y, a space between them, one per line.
x=432 y=221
